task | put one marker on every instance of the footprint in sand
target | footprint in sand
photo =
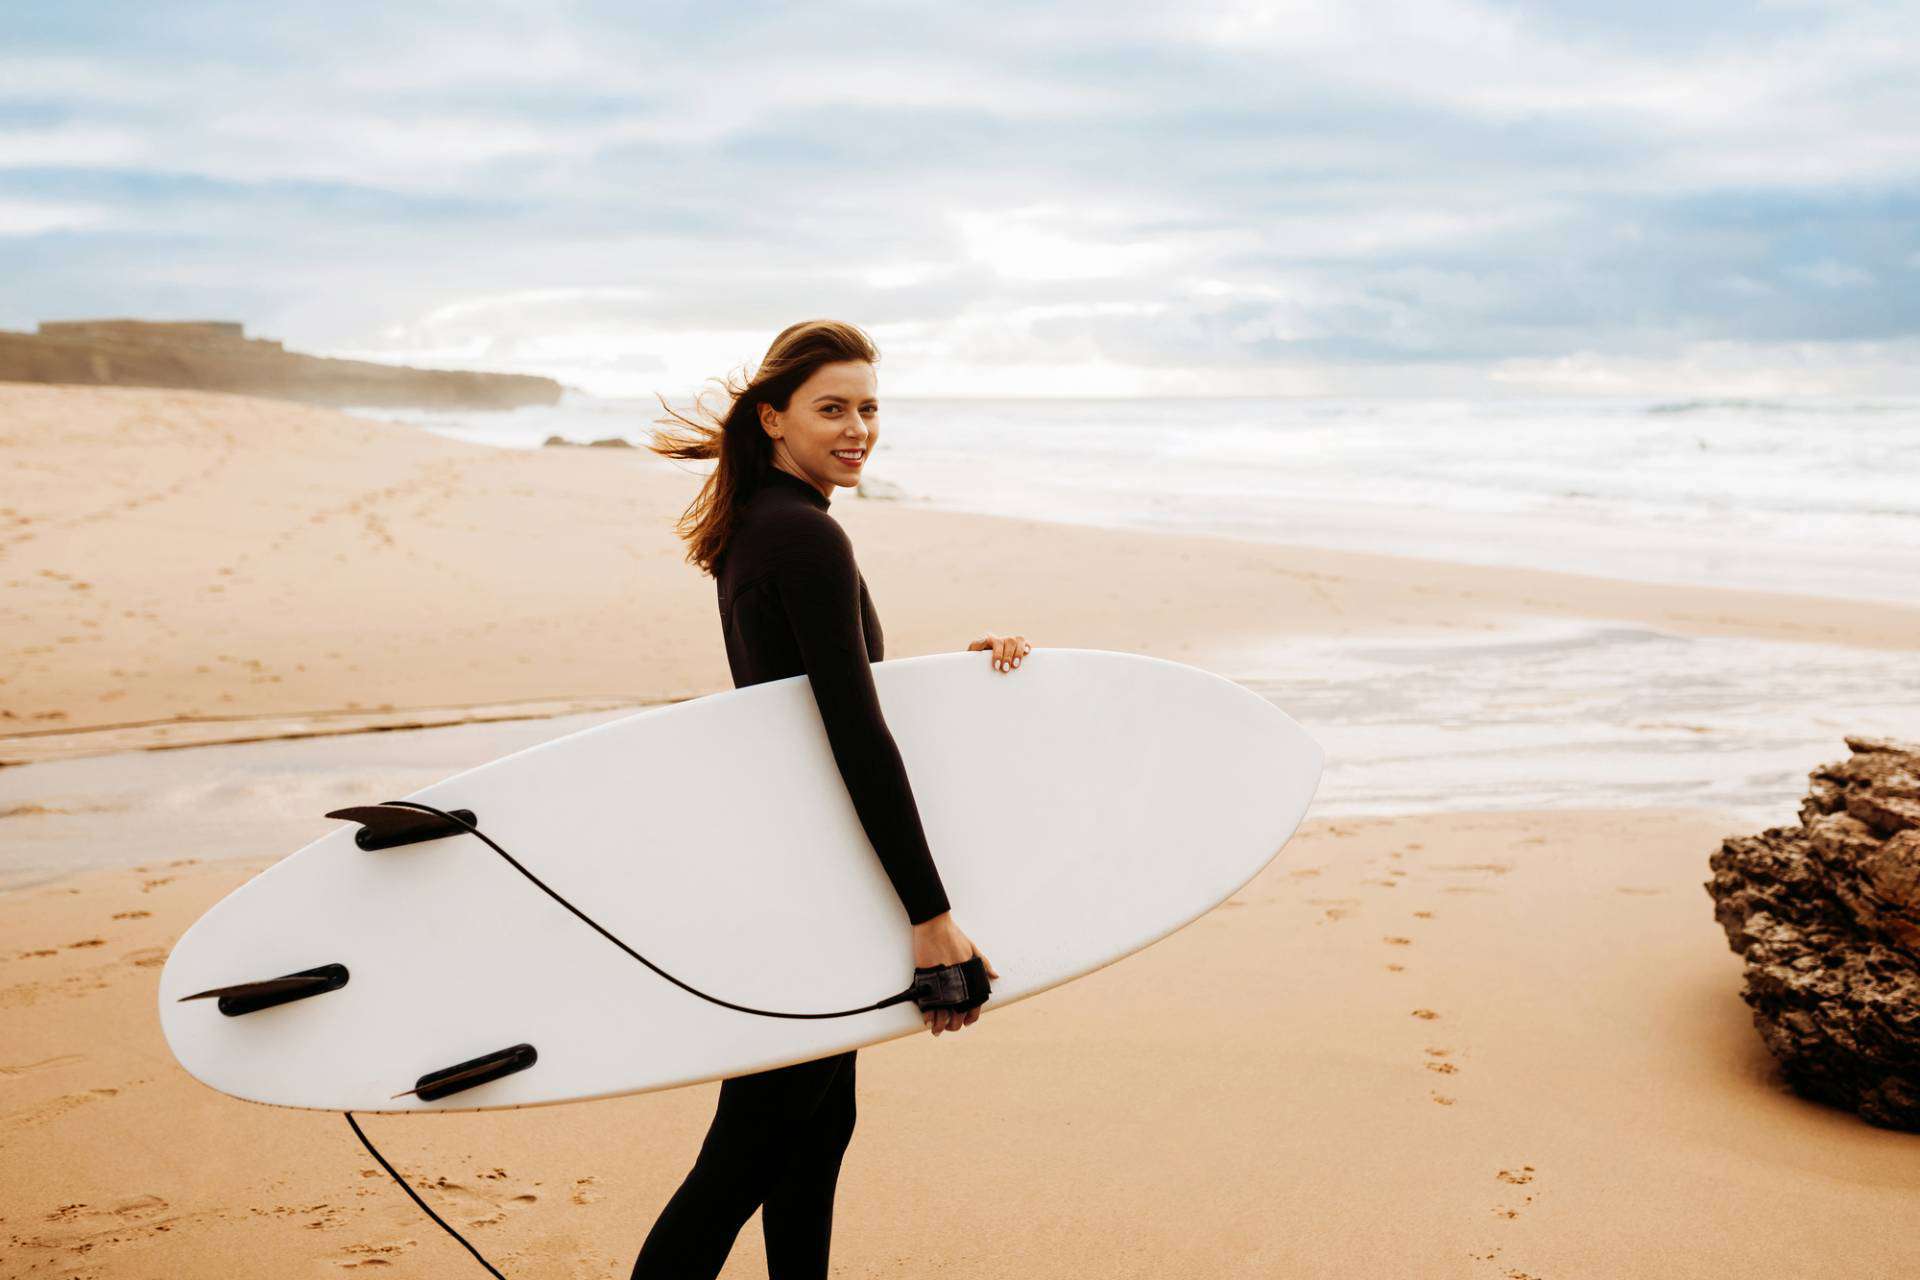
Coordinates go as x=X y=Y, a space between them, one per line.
x=139 y=1208
x=1519 y=1178
x=93 y=1231
x=45 y=1064
x=1336 y=908
x=1437 y=1064
x=477 y=1206
x=371 y=1255
x=53 y=1108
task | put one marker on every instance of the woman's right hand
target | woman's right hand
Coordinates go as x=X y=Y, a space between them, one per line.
x=940 y=941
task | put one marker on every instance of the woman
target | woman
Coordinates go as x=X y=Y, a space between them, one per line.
x=793 y=601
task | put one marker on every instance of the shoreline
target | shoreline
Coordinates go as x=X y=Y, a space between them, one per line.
x=347 y=570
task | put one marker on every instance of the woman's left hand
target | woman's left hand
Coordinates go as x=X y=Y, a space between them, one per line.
x=1007 y=650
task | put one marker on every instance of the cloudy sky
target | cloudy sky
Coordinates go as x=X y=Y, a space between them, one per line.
x=1238 y=198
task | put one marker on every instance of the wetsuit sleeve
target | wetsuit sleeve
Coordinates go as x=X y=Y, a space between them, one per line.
x=819 y=585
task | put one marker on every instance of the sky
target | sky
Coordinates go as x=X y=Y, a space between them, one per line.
x=1219 y=197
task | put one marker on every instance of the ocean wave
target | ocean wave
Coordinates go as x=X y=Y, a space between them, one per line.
x=1775 y=406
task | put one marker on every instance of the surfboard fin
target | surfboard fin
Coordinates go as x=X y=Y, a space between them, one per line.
x=248 y=997
x=385 y=826
x=472 y=1073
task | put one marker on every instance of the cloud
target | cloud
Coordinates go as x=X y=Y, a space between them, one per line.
x=1274 y=197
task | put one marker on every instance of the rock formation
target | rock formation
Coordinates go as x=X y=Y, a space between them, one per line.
x=1827 y=917
x=212 y=355
x=561 y=442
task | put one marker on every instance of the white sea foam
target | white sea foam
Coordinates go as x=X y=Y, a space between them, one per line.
x=1572 y=714
x=1814 y=496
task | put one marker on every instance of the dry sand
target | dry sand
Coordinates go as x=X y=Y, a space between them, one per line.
x=1477 y=1045
x=1557 y=1080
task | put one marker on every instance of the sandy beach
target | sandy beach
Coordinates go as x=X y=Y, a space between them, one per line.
x=1488 y=1044
x=195 y=567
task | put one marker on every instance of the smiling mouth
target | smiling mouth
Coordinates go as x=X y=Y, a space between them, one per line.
x=850 y=455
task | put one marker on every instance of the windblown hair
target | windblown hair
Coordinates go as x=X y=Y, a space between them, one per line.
x=736 y=439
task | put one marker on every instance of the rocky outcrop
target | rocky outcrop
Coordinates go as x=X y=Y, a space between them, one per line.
x=212 y=355
x=1827 y=917
x=561 y=442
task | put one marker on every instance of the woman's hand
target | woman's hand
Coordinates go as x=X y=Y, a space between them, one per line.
x=939 y=941
x=1007 y=650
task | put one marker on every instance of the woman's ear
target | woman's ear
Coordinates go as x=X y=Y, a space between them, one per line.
x=769 y=420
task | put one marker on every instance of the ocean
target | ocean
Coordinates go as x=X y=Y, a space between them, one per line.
x=1818 y=497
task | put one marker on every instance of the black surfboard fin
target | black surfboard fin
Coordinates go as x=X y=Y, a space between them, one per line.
x=249 y=997
x=472 y=1073
x=385 y=826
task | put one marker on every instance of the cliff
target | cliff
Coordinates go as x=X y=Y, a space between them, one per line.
x=209 y=355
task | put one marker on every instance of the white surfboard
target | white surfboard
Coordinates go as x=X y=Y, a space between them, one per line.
x=1079 y=808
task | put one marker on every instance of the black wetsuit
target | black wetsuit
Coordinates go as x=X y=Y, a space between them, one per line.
x=793 y=602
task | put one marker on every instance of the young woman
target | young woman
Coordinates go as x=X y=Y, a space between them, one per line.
x=793 y=601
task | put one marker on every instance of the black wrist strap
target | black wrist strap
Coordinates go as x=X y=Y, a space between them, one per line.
x=958 y=987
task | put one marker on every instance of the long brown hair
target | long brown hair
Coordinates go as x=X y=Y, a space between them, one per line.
x=735 y=437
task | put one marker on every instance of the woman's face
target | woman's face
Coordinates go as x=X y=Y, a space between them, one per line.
x=834 y=412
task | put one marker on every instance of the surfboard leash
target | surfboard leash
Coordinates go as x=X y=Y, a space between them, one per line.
x=963 y=985
x=415 y=1196
x=919 y=985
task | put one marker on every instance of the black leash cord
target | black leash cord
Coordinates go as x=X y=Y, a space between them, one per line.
x=595 y=926
x=424 y=1206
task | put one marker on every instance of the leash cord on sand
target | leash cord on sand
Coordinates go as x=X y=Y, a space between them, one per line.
x=415 y=1195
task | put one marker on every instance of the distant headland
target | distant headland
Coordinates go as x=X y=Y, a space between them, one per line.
x=216 y=355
